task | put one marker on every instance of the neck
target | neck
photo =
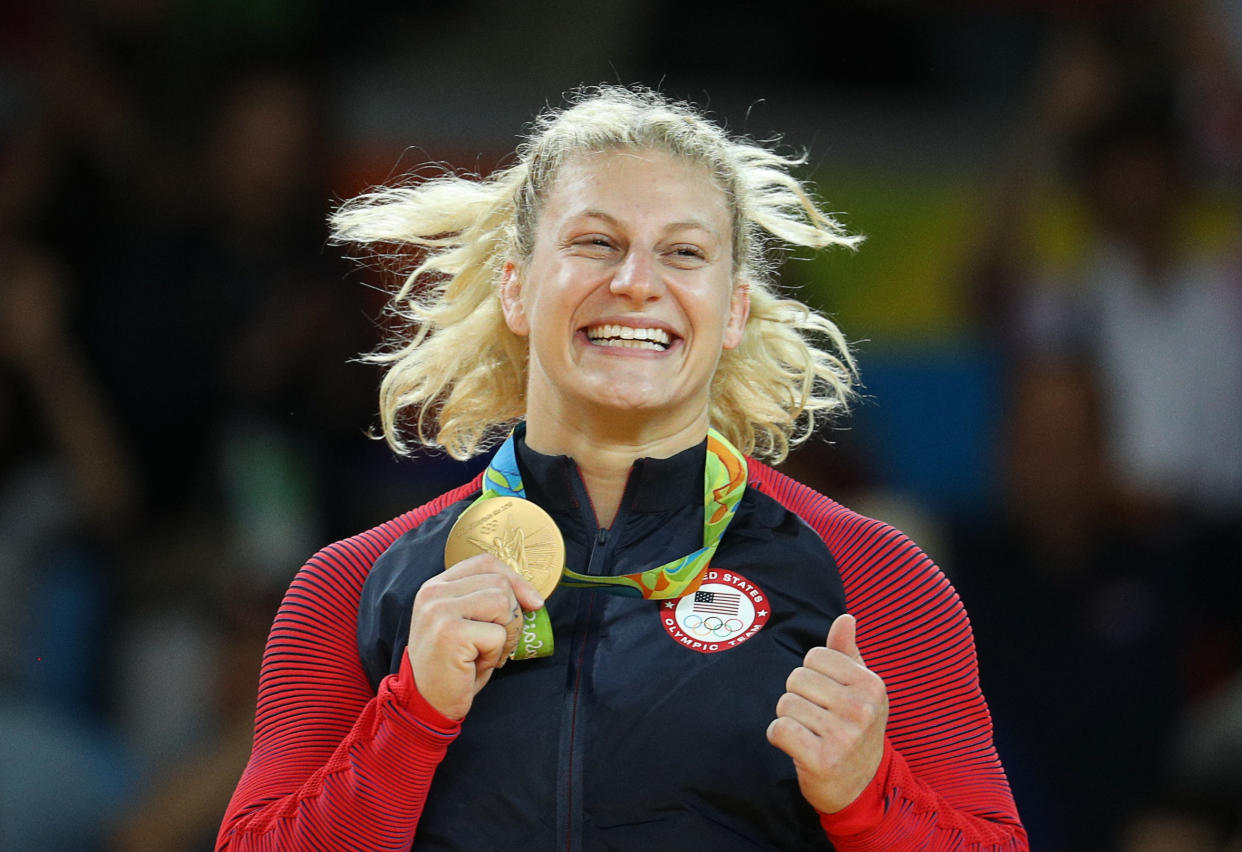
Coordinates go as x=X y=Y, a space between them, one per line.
x=605 y=452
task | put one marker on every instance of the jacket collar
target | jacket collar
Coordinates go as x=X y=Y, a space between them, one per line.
x=655 y=485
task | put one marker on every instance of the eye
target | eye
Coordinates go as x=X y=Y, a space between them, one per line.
x=687 y=255
x=593 y=245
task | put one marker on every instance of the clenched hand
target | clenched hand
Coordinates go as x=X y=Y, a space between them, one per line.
x=831 y=720
x=465 y=623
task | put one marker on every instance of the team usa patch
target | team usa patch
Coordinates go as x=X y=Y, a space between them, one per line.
x=726 y=610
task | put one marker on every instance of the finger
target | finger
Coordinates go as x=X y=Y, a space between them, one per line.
x=478 y=643
x=817 y=719
x=470 y=590
x=497 y=605
x=438 y=609
x=843 y=637
x=460 y=646
x=485 y=646
x=836 y=665
x=480 y=563
x=510 y=642
x=445 y=586
x=483 y=607
x=823 y=690
x=486 y=563
x=793 y=738
x=530 y=599
x=513 y=632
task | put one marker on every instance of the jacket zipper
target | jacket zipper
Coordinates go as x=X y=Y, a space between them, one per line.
x=570 y=784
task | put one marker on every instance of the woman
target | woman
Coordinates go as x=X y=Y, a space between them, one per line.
x=606 y=302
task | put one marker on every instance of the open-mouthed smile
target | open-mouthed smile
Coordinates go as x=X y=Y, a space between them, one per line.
x=624 y=336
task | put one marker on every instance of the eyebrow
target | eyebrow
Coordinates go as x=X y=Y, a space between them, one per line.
x=672 y=226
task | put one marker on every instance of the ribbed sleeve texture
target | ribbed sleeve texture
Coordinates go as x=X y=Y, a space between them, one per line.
x=335 y=767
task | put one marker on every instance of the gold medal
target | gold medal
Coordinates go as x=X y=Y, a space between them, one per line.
x=515 y=531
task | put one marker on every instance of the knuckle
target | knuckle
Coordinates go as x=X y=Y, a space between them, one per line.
x=501 y=598
x=459 y=569
x=875 y=691
x=496 y=568
x=778 y=730
x=818 y=656
x=831 y=761
x=494 y=637
x=432 y=633
x=429 y=607
x=429 y=591
x=867 y=710
x=796 y=677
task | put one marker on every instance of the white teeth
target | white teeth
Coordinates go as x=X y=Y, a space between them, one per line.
x=612 y=334
x=629 y=344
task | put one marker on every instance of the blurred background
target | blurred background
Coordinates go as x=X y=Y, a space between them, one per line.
x=1047 y=312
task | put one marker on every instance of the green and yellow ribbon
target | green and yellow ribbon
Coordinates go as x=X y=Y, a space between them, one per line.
x=724 y=481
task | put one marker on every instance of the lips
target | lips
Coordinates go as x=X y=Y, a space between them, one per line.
x=628 y=337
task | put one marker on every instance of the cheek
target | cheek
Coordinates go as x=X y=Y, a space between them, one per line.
x=549 y=329
x=541 y=314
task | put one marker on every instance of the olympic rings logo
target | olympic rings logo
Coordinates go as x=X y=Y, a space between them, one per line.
x=713 y=625
x=725 y=611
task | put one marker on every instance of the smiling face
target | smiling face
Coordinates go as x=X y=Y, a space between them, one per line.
x=629 y=296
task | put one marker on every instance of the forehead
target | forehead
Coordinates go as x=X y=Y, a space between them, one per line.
x=625 y=183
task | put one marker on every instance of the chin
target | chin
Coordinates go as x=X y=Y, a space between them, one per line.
x=631 y=394
x=637 y=407
x=628 y=404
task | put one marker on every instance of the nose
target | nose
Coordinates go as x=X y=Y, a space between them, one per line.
x=638 y=278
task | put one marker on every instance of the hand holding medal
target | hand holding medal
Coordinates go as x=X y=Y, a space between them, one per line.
x=522 y=536
x=461 y=629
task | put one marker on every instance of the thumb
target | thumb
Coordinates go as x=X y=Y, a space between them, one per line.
x=843 y=637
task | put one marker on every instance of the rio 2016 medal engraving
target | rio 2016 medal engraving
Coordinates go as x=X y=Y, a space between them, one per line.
x=515 y=531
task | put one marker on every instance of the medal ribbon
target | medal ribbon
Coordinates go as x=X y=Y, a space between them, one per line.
x=724 y=481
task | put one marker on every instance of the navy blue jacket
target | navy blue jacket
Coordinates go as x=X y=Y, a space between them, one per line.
x=637 y=732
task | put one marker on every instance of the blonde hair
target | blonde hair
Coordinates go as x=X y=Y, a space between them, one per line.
x=461 y=372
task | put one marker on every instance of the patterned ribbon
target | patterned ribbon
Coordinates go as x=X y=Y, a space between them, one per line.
x=724 y=481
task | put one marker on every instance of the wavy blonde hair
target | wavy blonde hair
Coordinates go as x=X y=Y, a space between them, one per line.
x=456 y=375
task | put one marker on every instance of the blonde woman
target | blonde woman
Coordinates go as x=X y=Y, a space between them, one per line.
x=730 y=660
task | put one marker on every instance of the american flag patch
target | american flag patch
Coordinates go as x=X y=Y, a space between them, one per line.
x=719 y=603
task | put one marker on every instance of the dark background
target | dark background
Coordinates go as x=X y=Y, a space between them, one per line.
x=1046 y=312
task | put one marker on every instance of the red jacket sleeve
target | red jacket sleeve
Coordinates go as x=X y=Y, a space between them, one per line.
x=335 y=766
x=940 y=785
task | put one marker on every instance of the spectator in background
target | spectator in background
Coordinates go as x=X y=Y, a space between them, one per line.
x=1062 y=593
x=1150 y=313
x=1161 y=322
x=237 y=428
x=1160 y=319
x=1117 y=113
x=67 y=498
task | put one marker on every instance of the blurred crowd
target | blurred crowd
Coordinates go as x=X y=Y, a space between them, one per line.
x=1111 y=571
x=181 y=424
